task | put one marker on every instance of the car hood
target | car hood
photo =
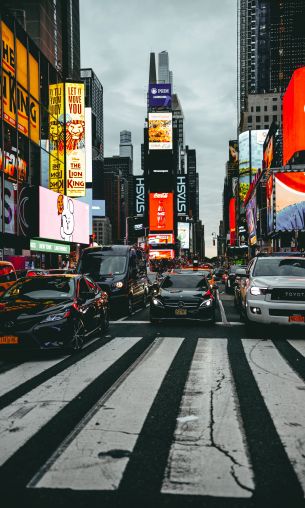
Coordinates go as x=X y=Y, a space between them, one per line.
x=25 y=308
x=279 y=282
x=184 y=295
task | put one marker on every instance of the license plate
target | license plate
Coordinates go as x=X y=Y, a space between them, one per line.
x=296 y=319
x=181 y=312
x=9 y=339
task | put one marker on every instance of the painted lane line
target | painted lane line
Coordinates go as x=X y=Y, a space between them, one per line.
x=222 y=310
x=128 y=322
x=299 y=345
x=96 y=459
x=218 y=323
x=208 y=453
x=28 y=414
x=283 y=392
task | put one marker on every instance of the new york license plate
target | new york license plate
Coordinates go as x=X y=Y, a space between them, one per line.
x=296 y=319
x=9 y=339
x=181 y=312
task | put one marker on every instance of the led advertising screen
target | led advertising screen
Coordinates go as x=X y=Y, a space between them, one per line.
x=269 y=199
x=56 y=138
x=184 y=234
x=289 y=201
x=161 y=254
x=161 y=211
x=62 y=218
x=257 y=144
x=251 y=214
x=75 y=139
x=160 y=95
x=19 y=96
x=232 y=221
x=160 y=238
x=160 y=131
x=181 y=196
x=294 y=116
x=268 y=150
x=233 y=151
x=139 y=193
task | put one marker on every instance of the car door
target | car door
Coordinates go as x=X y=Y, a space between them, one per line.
x=86 y=298
x=95 y=302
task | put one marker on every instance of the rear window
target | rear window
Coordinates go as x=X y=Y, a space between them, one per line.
x=281 y=267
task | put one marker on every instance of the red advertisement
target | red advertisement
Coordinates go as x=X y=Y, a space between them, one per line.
x=161 y=238
x=161 y=254
x=290 y=201
x=161 y=211
x=232 y=221
x=294 y=116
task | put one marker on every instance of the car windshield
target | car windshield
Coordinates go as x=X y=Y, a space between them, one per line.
x=281 y=267
x=96 y=264
x=184 y=282
x=42 y=288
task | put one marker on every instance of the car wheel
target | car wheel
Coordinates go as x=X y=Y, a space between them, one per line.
x=105 y=321
x=78 y=337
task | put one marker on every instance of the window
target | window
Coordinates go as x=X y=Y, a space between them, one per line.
x=258 y=108
x=266 y=118
x=252 y=109
x=275 y=117
x=265 y=108
x=274 y=107
x=250 y=118
x=258 y=118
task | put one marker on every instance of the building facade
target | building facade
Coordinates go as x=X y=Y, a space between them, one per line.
x=95 y=100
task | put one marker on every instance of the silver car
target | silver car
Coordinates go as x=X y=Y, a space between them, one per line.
x=274 y=291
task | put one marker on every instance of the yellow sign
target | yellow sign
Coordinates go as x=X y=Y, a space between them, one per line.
x=17 y=101
x=75 y=140
x=56 y=137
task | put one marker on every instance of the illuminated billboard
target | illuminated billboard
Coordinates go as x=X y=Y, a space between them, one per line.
x=233 y=151
x=160 y=95
x=62 y=218
x=161 y=211
x=269 y=199
x=160 y=238
x=289 y=201
x=184 y=234
x=19 y=96
x=75 y=139
x=161 y=254
x=160 y=131
x=232 y=221
x=56 y=138
x=251 y=215
x=248 y=168
x=293 y=116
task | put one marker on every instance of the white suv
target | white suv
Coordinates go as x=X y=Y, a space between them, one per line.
x=274 y=290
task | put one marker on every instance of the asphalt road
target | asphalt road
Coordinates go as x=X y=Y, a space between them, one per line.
x=168 y=415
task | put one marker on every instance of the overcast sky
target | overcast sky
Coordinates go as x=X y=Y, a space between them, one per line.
x=117 y=37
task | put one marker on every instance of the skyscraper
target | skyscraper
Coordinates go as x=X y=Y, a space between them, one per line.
x=94 y=100
x=152 y=69
x=164 y=74
x=54 y=27
x=126 y=148
x=271 y=45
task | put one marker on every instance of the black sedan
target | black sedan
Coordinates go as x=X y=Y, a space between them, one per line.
x=52 y=312
x=182 y=296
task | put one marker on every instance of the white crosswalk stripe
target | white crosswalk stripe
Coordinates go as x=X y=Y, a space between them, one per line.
x=299 y=345
x=283 y=392
x=208 y=452
x=23 y=418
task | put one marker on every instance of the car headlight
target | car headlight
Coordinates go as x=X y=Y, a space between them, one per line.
x=206 y=303
x=155 y=301
x=118 y=284
x=255 y=291
x=55 y=317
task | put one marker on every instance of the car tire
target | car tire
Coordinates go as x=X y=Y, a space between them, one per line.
x=78 y=337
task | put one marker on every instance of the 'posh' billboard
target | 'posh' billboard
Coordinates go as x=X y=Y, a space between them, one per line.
x=62 y=218
x=161 y=211
x=160 y=95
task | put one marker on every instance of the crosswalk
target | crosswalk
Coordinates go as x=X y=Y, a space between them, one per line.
x=169 y=415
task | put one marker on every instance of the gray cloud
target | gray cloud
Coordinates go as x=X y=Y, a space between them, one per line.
x=200 y=36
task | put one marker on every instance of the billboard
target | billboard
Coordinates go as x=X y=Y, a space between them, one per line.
x=269 y=199
x=232 y=220
x=160 y=238
x=251 y=217
x=269 y=145
x=257 y=144
x=19 y=95
x=139 y=193
x=181 y=196
x=160 y=95
x=161 y=211
x=184 y=234
x=294 y=116
x=62 y=218
x=161 y=254
x=56 y=138
x=75 y=139
x=233 y=151
x=290 y=201
x=160 y=131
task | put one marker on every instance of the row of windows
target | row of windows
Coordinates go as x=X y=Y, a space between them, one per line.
x=258 y=108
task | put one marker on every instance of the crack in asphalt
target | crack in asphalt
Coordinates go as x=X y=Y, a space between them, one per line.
x=213 y=442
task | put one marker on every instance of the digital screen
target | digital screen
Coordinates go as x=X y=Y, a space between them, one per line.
x=233 y=151
x=62 y=218
x=251 y=212
x=160 y=131
x=161 y=211
x=269 y=198
x=160 y=95
x=161 y=254
x=232 y=220
x=289 y=201
x=293 y=116
x=161 y=238
x=257 y=148
x=184 y=234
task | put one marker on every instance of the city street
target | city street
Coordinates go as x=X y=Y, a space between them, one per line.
x=164 y=415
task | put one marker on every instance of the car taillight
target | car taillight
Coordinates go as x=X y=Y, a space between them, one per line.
x=208 y=294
